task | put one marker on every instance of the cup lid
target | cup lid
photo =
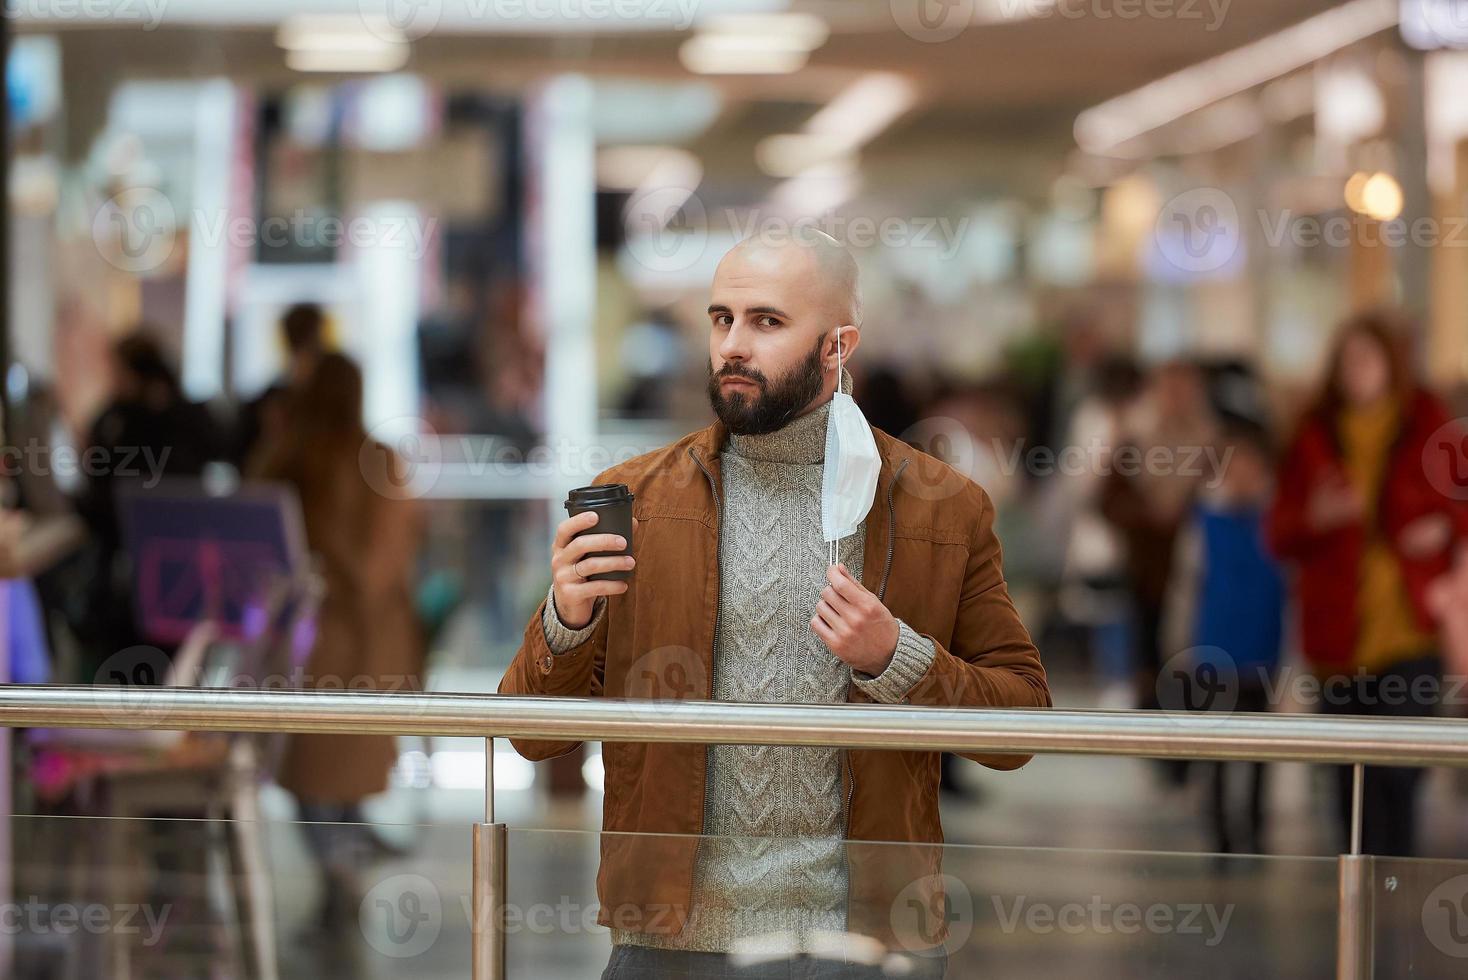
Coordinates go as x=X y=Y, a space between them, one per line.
x=599 y=495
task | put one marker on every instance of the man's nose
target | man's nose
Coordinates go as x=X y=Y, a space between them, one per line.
x=735 y=345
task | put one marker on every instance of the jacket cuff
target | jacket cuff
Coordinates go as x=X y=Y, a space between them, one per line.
x=910 y=663
x=560 y=637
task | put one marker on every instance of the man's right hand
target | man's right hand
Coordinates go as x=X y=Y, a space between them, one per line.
x=575 y=597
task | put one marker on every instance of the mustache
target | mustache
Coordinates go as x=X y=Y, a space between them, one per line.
x=726 y=373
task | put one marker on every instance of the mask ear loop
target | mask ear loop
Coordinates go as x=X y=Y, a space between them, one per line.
x=831 y=546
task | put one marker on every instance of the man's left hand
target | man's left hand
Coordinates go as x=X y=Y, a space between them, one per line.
x=854 y=624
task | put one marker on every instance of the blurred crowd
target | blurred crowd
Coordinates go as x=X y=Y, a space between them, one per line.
x=1196 y=542
x=304 y=431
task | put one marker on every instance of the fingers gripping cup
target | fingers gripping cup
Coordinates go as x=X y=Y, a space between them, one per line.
x=613 y=505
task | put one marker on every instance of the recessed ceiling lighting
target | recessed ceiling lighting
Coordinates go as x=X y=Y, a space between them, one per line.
x=325 y=43
x=794 y=30
x=788 y=154
x=753 y=44
x=719 y=55
x=1100 y=130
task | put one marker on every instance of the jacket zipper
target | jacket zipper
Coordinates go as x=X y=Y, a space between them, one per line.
x=881 y=593
x=713 y=652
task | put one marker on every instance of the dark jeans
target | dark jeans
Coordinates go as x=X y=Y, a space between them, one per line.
x=1389 y=793
x=1238 y=819
x=647 y=963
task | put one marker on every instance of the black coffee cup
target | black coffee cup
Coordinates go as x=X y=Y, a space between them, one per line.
x=613 y=505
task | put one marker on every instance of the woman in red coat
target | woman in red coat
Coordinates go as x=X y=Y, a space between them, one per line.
x=1370 y=510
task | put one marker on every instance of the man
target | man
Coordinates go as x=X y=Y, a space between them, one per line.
x=725 y=848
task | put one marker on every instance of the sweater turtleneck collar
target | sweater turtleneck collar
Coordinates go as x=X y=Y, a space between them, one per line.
x=801 y=440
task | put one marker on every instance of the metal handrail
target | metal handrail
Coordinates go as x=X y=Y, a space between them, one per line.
x=1264 y=737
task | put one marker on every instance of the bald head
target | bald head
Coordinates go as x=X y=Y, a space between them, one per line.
x=818 y=260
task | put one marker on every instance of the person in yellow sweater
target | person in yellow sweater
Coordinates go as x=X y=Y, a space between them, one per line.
x=1368 y=516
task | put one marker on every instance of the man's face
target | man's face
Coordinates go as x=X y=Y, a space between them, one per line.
x=770 y=321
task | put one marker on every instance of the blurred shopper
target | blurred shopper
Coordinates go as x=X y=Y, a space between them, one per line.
x=746 y=847
x=1094 y=591
x=1225 y=620
x=368 y=637
x=1362 y=515
x=263 y=419
x=1150 y=481
x=148 y=430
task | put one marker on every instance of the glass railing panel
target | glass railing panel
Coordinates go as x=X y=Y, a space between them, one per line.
x=1417 y=914
x=987 y=911
x=162 y=897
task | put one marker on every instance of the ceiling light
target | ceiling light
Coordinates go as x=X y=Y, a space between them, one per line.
x=816 y=191
x=323 y=43
x=629 y=168
x=863 y=109
x=753 y=44
x=347 y=61
x=708 y=54
x=1105 y=127
x=793 y=30
x=788 y=154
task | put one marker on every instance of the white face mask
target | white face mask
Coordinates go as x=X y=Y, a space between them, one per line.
x=849 y=481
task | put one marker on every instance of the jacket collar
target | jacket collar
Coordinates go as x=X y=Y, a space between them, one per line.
x=702 y=455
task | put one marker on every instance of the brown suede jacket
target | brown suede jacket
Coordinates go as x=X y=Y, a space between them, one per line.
x=931 y=556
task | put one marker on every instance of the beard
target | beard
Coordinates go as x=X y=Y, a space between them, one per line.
x=775 y=404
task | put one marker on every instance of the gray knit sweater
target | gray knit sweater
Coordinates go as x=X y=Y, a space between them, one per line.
x=772 y=868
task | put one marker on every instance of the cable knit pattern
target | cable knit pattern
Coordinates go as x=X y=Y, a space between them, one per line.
x=771 y=869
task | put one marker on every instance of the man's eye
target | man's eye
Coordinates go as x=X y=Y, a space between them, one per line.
x=768 y=321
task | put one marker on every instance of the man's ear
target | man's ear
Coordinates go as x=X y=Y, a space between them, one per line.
x=850 y=340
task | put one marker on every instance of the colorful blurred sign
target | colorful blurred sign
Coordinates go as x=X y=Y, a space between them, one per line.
x=198 y=557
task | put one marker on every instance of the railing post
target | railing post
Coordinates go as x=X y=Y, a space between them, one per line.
x=1355 y=952
x=489 y=883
